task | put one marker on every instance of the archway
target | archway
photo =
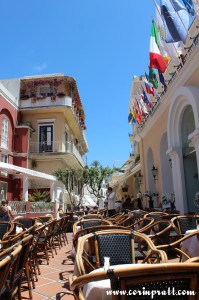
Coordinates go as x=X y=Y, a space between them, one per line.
x=183 y=131
x=189 y=158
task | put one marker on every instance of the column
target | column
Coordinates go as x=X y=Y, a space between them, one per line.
x=178 y=178
x=25 y=187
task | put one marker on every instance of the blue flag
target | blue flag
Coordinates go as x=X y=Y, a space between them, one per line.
x=145 y=98
x=176 y=20
x=189 y=6
x=162 y=80
x=130 y=117
x=161 y=77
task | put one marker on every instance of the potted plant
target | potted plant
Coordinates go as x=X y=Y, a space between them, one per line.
x=150 y=195
x=196 y=199
x=137 y=157
x=169 y=199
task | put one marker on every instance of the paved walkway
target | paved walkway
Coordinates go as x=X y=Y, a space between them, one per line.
x=53 y=281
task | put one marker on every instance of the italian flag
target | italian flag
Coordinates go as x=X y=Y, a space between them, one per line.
x=156 y=59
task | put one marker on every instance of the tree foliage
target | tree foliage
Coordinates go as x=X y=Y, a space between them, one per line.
x=76 y=180
x=95 y=177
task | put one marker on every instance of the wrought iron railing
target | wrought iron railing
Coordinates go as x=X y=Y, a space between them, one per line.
x=41 y=207
x=18 y=207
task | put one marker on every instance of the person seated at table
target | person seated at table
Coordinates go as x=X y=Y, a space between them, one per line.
x=127 y=203
x=5 y=213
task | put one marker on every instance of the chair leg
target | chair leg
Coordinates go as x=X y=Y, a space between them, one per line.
x=27 y=273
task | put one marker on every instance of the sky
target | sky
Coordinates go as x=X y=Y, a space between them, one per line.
x=103 y=44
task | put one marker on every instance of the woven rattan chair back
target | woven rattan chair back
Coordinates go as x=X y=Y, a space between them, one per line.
x=5 y=228
x=27 y=222
x=184 y=223
x=11 y=289
x=118 y=247
x=159 y=279
x=44 y=219
x=5 y=265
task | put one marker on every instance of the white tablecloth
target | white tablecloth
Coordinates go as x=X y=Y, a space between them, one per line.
x=191 y=245
x=97 y=290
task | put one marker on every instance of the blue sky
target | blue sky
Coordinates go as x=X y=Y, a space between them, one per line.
x=102 y=44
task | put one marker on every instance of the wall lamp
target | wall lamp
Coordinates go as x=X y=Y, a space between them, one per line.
x=154 y=171
x=139 y=177
x=170 y=162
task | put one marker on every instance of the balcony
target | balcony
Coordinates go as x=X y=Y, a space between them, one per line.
x=56 y=148
x=50 y=101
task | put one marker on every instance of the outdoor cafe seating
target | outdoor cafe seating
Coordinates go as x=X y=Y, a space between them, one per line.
x=121 y=251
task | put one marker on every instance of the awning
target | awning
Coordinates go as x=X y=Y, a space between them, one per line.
x=88 y=201
x=15 y=170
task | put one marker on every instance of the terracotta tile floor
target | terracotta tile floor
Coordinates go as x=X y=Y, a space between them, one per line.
x=53 y=281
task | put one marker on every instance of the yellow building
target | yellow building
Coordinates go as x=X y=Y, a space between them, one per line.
x=51 y=111
x=167 y=139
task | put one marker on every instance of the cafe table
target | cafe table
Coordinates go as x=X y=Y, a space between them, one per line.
x=98 y=289
x=191 y=246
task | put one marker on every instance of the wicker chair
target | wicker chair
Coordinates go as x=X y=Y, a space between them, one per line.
x=88 y=230
x=163 y=232
x=46 y=241
x=156 y=215
x=20 y=265
x=27 y=222
x=91 y=216
x=174 y=249
x=185 y=222
x=138 y=213
x=81 y=224
x=5 y=229
x=35 y=269
x=158 y=281
x=118 y=244
x=44 y=219
x=7 y=258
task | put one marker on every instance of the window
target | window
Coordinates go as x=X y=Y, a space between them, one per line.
x=46 y=91
x=4 y=134
x=46 y=138
x=4 y=158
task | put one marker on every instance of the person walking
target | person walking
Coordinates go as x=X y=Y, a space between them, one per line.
x=110 y=199
x=139 y=200
x=60 y=211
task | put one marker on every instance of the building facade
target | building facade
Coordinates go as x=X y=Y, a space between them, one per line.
x=167 y=139
x=42 y=126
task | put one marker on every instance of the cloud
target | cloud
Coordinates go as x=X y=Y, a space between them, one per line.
x=40 y=68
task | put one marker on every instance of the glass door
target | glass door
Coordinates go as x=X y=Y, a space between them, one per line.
x=46 y=138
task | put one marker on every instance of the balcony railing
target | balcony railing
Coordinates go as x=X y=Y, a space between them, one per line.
x=41 y=207
x=52 y=101
x=56 y=147
x=24 y=208
x=18 y=207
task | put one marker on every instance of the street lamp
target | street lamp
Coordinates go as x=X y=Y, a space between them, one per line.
x=140 y=178
x=154 y=171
